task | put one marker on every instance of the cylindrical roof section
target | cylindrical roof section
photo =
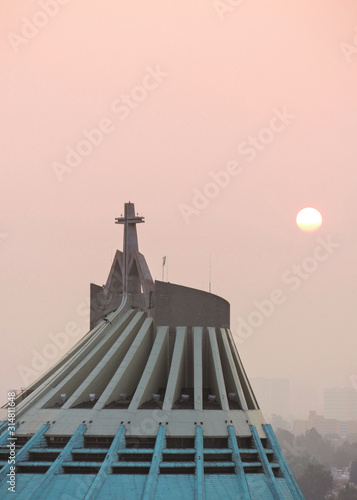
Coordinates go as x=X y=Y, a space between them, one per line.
x=176 y=305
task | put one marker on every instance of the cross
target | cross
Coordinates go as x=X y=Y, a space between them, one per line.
x=130 y=237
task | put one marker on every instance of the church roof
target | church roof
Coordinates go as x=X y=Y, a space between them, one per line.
x=152 y=403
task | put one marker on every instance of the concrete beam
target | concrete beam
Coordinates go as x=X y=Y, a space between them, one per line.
x=176 y=375
x=217 y=374
x=243 y=491
x=278 y=454
x=127 y=375
x=231 y=371
x=23 y=454
x=155 y=372
x=65 y=372
x=153 y=476
x=200 y=476
x=77 y=440
x=273 y=486
x=248 y=392
x=4 y=437
x=197 y=360
x=111 y=457
x=3 y=426
x=100 y=376
x=89 y=360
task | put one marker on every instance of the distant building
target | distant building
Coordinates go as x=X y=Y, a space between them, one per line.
x=261 y=388
x=340 y=403
x=280 y=396
x=340 y=477
x=303 y=398
x=273 y=395
x=326 y=426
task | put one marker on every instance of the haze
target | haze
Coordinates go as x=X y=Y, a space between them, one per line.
x=264 y=91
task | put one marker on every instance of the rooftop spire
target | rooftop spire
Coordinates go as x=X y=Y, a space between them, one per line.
x=130 y=243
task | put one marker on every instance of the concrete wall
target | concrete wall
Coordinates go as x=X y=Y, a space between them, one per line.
x=176 y=305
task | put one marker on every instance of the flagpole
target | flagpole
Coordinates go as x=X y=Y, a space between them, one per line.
x=163 y=268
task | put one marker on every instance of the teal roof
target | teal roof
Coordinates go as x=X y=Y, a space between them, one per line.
x=256 y=472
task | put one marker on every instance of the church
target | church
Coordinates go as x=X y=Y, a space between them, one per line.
x=152 y=403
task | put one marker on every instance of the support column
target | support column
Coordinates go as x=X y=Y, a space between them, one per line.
x=249 y=395
x=155 y=370
x=265 y=463
x=97 y=380
x=128 y=373
x=5 y=435
x=65 y=374
x=153 y=476
x=273 y=442
x=3 y=426
x=233 y=371
x=197 y=360
x=23 y=453
x=241 y=479
x=200 y=476
x=112 y=456
x=217 y=372
x=76 y=441
x=174 y=382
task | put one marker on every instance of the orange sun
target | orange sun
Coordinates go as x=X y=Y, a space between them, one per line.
x=309 y=219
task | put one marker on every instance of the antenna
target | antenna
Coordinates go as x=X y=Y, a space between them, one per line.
x=163 y=268
x=209 y=286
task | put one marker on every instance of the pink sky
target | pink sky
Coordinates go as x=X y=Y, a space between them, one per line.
x=223 y=76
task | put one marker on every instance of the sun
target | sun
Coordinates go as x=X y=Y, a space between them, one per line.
x=309 y=219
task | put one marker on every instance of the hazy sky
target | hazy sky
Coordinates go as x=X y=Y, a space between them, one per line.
x=182 y=90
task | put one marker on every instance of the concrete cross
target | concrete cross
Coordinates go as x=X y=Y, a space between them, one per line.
x=130 y=237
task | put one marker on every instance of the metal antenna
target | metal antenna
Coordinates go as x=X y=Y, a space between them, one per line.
x=163 y=268
x=209 y=286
